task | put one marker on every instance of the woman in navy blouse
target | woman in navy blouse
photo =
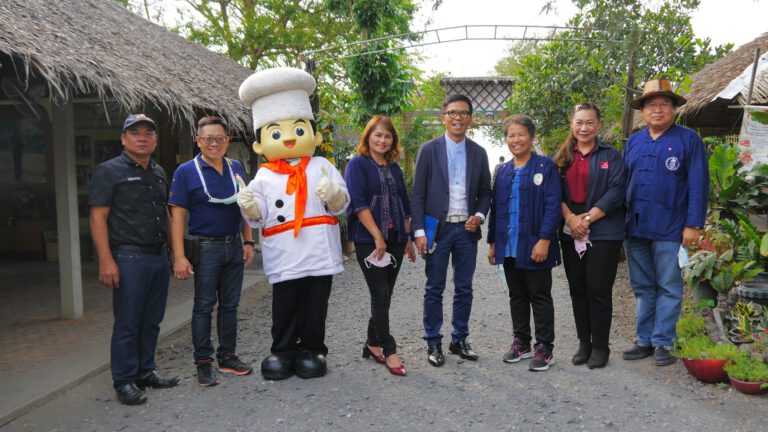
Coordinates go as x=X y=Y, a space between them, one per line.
x=378 y=222
x=593 y=184
x=522 y=233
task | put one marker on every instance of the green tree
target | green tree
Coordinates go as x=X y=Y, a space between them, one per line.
x=509 y=65
x=381 y=80
x=642 y=39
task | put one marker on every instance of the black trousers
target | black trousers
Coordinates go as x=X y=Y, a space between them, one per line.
x=381 y=283
x=299 y=309
x=590 y=279
x=531 y=289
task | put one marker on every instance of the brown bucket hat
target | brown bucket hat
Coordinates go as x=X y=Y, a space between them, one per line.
x=657 y=87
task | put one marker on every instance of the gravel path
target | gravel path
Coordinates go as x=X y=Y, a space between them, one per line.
x=360 y=395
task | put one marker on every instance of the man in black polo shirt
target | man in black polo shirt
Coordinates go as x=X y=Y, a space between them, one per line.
x=129 y=226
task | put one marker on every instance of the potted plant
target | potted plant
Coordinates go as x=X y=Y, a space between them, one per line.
x=729 y=253
x=700 y=355
x=704 y=359
x=747 y=374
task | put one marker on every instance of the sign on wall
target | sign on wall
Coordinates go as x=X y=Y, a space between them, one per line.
x=753 y=139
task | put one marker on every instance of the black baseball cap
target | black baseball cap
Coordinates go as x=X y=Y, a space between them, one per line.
x=135 y=119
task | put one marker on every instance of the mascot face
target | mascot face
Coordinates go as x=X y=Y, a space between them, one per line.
x=286 y=139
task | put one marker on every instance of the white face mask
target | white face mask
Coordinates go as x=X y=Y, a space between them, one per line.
x=385 y=260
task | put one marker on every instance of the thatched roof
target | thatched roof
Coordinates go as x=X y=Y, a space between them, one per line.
x=711 y=80
x=99 y=47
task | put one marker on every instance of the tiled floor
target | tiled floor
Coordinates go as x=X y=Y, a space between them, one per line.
x=32 y=333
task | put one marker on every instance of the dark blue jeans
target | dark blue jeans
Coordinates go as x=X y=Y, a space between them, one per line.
x=656 y=280
x=218 y=277
x=454 y=240
x=138 y=305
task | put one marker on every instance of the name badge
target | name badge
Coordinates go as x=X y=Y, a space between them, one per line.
x=538 y=179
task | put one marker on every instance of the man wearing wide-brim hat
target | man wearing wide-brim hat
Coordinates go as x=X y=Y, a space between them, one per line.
x=667 y=188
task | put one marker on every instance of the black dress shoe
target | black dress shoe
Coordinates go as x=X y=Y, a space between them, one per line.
x=637 y=352
x=153 y=380
x=310 y=364
x=463 y=349
x=278 y=366
x=435 y=355
x=130 y=395
x=582 y=354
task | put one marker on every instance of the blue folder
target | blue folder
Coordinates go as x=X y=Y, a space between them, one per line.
x=430 y=230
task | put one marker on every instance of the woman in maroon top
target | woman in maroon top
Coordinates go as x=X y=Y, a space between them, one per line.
x=593 y=188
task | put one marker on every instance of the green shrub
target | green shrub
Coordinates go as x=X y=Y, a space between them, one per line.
x=701 y=347
x=690 y=324
x=747 y=368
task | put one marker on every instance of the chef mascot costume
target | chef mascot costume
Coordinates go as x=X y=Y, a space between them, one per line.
x=294 y=199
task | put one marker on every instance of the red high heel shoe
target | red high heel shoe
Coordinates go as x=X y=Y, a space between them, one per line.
x=399 y=370
x=367 y=353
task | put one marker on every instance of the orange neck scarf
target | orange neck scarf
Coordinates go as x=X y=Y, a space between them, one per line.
x=297 y=182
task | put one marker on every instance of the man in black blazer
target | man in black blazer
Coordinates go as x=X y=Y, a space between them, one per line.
x=451 y=183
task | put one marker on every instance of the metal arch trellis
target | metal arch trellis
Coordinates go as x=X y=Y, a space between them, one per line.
x=458 y=34
x=489 y=94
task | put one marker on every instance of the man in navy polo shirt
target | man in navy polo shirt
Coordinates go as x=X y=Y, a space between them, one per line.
x=129 y=226
x=667 y=188
x=218 y=246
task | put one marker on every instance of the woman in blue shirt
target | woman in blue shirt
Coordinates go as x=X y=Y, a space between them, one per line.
x=378 y=222
x=522 y=233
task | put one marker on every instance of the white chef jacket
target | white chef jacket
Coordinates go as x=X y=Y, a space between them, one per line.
x=317 y=249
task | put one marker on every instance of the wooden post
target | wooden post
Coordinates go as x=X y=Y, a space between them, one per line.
x=70 y=272
x=754 y=73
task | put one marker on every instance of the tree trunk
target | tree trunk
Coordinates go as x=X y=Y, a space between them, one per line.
x=629 y=113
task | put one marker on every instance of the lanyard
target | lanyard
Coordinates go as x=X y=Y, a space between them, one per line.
x=202 y=180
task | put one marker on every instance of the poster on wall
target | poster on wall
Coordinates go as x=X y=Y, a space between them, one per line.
x=22 y=148
x=753 y=139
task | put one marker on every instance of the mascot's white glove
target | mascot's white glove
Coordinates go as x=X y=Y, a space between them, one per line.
x=330 y=192
x=246 y=201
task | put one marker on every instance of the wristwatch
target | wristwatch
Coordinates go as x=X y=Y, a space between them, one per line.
x=588 y=218
x=249 y=242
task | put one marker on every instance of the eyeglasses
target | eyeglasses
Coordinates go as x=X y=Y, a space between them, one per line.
x=210 y=139
x=458 y=114
x=664 y=106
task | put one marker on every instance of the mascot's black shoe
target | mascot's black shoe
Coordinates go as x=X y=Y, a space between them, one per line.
x=278 y=366
x=310 y=364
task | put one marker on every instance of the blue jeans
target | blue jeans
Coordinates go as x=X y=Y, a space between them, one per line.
x=138 y=305
x=656 y=280
x=454 y=240
x=218 y=277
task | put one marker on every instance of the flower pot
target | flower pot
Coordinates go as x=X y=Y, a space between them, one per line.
x=739 y=338
x=746 y=387
x=756 y=292
x=706 y=370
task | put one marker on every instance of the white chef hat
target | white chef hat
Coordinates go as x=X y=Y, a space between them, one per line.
x=278 y=94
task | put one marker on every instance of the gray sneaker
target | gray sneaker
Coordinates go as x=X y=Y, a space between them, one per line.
x=205 y=374
x=517 y=352
x=663 y=357
x=542 y=359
